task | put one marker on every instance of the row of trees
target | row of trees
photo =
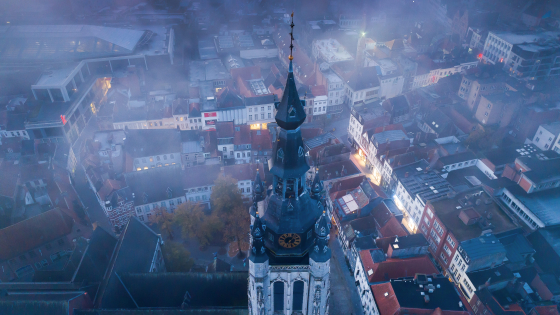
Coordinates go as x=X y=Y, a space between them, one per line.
x=228 y=221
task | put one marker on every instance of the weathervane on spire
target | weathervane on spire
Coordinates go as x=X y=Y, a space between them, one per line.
x=292 y=38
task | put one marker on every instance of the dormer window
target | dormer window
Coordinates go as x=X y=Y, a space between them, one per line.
x=292 y=112
x=281 y=154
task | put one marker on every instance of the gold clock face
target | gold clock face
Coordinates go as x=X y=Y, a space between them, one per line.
x=289 y=240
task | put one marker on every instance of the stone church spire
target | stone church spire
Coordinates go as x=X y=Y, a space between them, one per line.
x=289 y=262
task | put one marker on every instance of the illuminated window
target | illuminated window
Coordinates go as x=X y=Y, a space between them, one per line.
x=145 y=167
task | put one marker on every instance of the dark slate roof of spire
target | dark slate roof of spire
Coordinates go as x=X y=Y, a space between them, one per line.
x=317 y=186
x=291 y=113
x=289 y=159
x=322 y=226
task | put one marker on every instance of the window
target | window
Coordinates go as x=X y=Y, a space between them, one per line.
x=298 y=296
x=450 y=241
x=262 y=108
x=438 y=228
x=269 y=115
x=250 y=117
x=278 y=296
x=447 y=250
x=443 y=258
x=262 y=116
x=238 y=155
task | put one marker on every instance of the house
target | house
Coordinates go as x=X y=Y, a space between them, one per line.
x=402 y=295
x=460 y=231
x=498 y=109
x=416 y=184
x=245 y=175
x=261 y=146
x=359 y=244
x=225 y=136
x=546 y=137
x=457 y=161
x=156 y=190
x=148 y=149
x=38 y=242
x=439 y=124
x=198 y=185
x=260 y=110
x=398 y=107
x=242 y=144
x=363 y=118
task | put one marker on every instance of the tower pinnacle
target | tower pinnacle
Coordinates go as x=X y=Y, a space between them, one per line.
x=291 y=41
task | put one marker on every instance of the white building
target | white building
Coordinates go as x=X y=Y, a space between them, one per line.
x=335 y=89
x=546 y=137
x=330 y=51
x=498 y=45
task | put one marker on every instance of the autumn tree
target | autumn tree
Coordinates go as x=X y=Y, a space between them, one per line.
x=225 y=196
x=195 y=223
x=177 y=258
x=227 y=204
x=164 y=220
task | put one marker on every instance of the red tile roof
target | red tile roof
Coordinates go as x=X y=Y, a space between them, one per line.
x=224 y=129
x=387 y=302
x=318 y=90
x=393 y=227
x=262 y=141
x=33 y=232
x=108 y=188
x=396 y=268
x=243 y=136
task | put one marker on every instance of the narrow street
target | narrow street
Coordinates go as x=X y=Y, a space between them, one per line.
x=344 y=295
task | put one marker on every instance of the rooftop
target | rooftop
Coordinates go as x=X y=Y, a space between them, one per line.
x=417 y=179
x=521 y=37
x=155 y=184
x=539 y=171
x=150 y=142
x=553 y=128
x=388 y=136
x=244 y=171
x=543 y=204
x=68 y=42
x=490 y=216
x=385 y=270
x=482 y=246
x=200 y=176
x=405 y=293
x=330 y=50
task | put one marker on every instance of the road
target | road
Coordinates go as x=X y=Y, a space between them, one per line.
x=344 y=297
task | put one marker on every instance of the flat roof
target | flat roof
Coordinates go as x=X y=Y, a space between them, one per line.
x=491 y=215
x=56 y=77
x=524 y=36
x=332 y=51
x=68 y=42
x=543 y=204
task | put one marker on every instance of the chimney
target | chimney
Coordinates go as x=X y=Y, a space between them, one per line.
x=426 y=299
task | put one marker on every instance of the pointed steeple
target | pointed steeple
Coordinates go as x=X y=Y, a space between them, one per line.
x=321 y=252
x=317 y=186
x=258 y=188
x=258 y=252
x=290 y=112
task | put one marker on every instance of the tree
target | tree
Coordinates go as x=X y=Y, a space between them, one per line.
x=225 y=195
x=177 y=258
x=164 y=221
x=195 y=223
x=236 y=227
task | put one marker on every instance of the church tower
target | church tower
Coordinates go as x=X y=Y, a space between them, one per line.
x=289 y=262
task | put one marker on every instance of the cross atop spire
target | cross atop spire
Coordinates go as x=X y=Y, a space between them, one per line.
x=292 y=38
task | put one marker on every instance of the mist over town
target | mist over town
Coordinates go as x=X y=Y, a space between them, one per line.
x=259 y=157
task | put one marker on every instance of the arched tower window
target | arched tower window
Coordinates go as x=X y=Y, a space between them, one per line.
x=278 y=296
x=298 y=296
